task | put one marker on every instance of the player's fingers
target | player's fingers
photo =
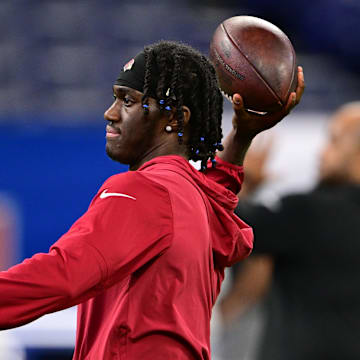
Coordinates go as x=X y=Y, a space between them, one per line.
x=301 y=84
x=291 y=103
x=238 y=105
x=237 y=100
x=241 y=112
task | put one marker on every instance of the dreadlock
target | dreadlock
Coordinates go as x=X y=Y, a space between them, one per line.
x=186 y=77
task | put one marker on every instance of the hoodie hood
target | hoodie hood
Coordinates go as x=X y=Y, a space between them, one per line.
x=232 y=239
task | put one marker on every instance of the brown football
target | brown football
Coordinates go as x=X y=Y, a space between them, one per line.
x=254 y=58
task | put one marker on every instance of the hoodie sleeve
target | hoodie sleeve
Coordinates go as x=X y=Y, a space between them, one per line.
x=129 y=223
x=226 y=174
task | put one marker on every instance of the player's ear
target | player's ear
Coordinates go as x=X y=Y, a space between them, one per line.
x=172 y=118
x=187 y=114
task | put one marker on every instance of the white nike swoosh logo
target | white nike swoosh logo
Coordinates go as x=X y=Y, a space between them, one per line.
x=105 y=194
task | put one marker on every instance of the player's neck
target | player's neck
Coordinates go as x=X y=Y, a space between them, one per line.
x=161 y=149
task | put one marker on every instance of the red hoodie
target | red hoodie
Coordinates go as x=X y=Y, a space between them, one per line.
x=145 y=263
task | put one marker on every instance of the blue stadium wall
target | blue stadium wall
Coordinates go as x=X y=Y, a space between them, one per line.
x=52 y=173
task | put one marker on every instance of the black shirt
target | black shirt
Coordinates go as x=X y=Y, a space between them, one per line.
x=314 y=303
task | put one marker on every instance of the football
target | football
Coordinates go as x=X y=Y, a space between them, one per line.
x=256 y=59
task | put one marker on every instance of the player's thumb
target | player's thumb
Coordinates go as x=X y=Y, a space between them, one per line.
x=238 y=103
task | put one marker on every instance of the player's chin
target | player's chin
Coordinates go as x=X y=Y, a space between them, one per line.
x=115 y=153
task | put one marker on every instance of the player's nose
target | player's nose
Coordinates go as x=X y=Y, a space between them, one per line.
x=111 y=114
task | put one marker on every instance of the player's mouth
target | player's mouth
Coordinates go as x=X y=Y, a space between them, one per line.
x=111 y=132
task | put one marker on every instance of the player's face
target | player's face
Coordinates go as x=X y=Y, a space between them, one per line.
x=131 y=136
x=340 y=152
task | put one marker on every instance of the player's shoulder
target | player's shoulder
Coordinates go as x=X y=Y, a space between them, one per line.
x=135 y=184
x=120 y=179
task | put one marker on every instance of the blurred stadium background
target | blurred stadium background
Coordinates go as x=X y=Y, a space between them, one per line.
x=58 y=60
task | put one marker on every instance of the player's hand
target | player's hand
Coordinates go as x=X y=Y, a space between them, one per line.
x=249 y=124
x=246 y=125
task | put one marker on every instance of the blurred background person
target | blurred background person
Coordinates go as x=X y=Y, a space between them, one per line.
x=242 y=310
x=313 y=307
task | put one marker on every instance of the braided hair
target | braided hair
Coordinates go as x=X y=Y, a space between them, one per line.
x=186 y=77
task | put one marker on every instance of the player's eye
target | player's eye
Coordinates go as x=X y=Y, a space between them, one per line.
x=127 y=101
